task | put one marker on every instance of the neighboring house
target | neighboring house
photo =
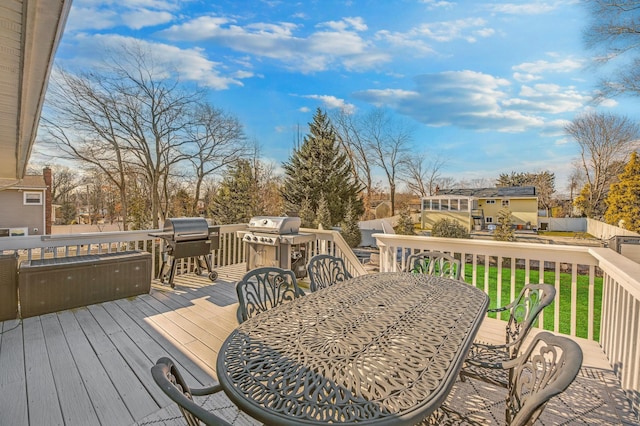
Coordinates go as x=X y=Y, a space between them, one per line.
x=25 y=207
x=477 y=208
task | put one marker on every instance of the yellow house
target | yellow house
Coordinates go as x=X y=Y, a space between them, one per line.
x=477 y=208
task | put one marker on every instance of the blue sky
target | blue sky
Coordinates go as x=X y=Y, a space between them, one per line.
x=488 y=86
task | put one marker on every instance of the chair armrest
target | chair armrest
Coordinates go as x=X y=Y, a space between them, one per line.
x=483 y=364
x=206 y=391
x=501 y=309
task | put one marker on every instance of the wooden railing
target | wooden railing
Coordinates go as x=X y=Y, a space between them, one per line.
x=331 y=242
x=612 y=288
x=231 y=249
x=610 y=298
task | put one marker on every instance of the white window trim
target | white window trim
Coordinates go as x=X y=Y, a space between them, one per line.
x=26 y=193
x=18 y=232
x=488 y=219
x=490 y=201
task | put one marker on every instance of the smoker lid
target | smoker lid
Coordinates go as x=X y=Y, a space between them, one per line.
x=275 y=224
x=186 y=228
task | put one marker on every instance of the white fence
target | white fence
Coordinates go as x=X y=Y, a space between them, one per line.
x=617 y=300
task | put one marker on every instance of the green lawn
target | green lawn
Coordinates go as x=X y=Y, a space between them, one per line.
x=564 y=298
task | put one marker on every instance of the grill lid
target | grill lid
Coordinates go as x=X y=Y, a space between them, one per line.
x=186 y=228
x=275 y=224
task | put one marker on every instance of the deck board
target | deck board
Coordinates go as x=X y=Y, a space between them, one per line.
x=100 y=383
x=75 y=402
x=42 y=398
x=92 y=365
x=13 y=404
x=153 y=344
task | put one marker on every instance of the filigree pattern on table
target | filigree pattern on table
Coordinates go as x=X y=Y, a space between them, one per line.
x=372 y=347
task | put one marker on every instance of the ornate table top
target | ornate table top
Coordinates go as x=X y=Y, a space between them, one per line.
x=377 y=349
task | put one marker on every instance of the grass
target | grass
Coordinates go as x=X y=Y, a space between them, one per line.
x=569 y=234
x=564 y=297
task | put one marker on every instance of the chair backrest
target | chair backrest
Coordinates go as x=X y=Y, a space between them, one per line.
x=168 y=378
x=263 y=288
x=545 y=369
x=325 y=270
x=434 y=263
x=524 y=311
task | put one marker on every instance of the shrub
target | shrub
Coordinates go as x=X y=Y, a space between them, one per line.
x=405 y=224
x=449 y=228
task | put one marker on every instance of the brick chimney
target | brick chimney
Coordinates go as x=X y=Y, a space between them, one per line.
x=46 y=174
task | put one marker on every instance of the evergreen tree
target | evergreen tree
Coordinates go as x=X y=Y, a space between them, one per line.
x=504 y=231
x=68 y=212
x=307 y=216
x=349 y=228
x=236 y=200
x=319 y=167
x=405 y=223
x=623 y=200
x=323 y=215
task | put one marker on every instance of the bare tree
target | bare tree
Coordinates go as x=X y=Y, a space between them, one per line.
x=132 y=113
x=605 y=142
x=387 y=141
x=476 y=183
x=81 y=125
x=576 y=180
x=421 y=176
x=218 y=141
x=349 y=128
x=614 y=33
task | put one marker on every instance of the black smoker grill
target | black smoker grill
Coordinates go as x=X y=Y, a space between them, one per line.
x=187 y=237
x=275 y=241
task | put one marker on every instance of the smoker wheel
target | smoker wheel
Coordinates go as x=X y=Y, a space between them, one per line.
x=213 y=275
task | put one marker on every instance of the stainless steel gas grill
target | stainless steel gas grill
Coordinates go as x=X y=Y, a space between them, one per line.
x=276 y=241
x=187 y=237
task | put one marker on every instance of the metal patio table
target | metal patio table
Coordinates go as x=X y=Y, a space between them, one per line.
x=377 y=349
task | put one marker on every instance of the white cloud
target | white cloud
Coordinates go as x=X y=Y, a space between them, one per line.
x=438 y=3
x=539 y=67
x=529 y=8
x=192 y=63
x=525 y=78
x=136 y=14
x=479 y=101
x=332 y=102
x=465 y=29
x=335 y=43
x=146 y=18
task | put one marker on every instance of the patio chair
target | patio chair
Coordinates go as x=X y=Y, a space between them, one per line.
x=484 y=359
x=325 y=270
x=434 y=263
x=263 y=288
x=547 y=367
x=168 y=377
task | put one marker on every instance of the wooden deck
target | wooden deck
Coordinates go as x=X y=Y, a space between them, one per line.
x=91 y=366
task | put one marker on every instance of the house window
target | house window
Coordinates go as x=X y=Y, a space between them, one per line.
x=454 y=205
x=435 y=204
x=444 y=205
x=490 y=201
x=32 y=198
x=18 y=232
x=505 y=203
x=464 y=205
x=488 y=219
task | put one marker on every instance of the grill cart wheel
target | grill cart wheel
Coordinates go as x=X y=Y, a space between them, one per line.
x=213 y=275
